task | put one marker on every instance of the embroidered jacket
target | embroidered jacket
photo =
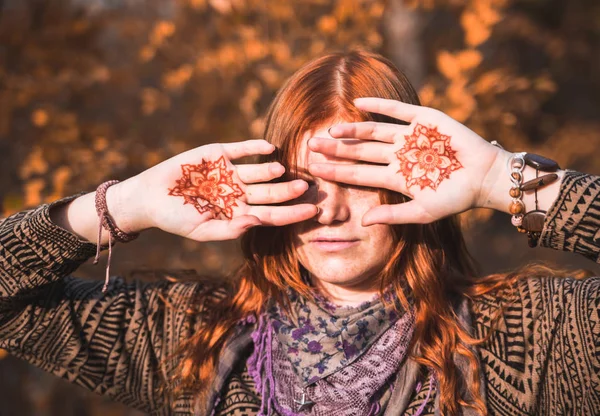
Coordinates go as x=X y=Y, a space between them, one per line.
x=544 y=358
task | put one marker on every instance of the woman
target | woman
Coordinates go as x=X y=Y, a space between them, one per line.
x=357 y=295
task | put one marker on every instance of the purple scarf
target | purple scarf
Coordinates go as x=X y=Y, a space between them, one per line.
x=327 y=360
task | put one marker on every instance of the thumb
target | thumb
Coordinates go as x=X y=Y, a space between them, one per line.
x=406 y=213
x=241 y=224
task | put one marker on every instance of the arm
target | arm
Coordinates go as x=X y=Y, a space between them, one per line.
x=199 y=194
x=572 y=206
x=573 y=221
x=114 y=343
x=445 y=169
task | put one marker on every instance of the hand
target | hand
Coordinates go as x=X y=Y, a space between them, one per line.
x=442 y=165
x=201 y=195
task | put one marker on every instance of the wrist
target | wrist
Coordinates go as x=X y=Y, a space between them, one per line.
x=126 y=208
x=496 y=184
x=497 y=194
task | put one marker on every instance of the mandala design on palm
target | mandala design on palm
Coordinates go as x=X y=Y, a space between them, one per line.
x=208 y=186
x=427 y=158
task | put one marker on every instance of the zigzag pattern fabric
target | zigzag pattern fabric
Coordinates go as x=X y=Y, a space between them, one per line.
x=573 y=224
x=542 y=359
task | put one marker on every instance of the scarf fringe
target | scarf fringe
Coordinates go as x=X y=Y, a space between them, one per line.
x=261 y=362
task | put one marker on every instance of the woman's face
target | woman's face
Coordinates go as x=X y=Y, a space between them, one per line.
x=340 y=254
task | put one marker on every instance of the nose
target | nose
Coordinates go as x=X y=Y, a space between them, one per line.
x=332 y=200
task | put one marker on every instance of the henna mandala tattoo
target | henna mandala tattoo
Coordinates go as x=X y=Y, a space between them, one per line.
x=427 y=158
x=208 y=186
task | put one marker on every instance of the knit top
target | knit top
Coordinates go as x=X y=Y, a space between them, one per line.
x=543 y=358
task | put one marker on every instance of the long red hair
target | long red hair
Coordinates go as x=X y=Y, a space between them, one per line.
x=430 y=262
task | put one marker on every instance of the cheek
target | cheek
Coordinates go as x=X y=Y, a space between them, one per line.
x=299 y=232
x=381 y=242
x=366 y=197
x=381 y=235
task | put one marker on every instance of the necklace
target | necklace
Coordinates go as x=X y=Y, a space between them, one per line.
x=304 y=404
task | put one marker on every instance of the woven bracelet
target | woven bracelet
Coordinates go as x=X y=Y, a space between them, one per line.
x=106 y=221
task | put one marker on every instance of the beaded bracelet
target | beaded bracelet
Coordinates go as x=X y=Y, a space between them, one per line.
x=531 y=222
x=106 y=221
x=516 y=165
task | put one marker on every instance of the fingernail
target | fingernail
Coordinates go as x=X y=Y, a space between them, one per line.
x=300 y=185
x=277 y=169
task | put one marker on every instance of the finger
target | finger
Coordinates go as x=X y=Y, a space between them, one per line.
x=260 y=172
x=353 y=149
x=406 y=213
x=219 y=230
x=273 y=193
x=361 y=175
x=368 y=130
x=283 y=215
x=238 y=150
x=391 y=108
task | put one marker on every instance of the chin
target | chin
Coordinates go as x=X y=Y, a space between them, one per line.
x=339 y=280
x=342 y=274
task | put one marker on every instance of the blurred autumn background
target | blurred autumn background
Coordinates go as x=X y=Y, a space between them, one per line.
x=99 y=89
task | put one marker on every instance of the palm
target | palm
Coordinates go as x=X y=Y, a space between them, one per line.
x=435 y=160
x=202 y=195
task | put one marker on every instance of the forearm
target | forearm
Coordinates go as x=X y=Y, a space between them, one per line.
x=34 y=251
x=571 y=203
x=66 y=326
x=573 y=221
x=80 y=217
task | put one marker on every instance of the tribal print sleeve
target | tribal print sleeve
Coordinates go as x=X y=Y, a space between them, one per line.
x=115 y=343
x=573 y=221
x=543 y=356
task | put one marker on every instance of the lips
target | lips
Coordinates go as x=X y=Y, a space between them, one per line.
x=332 y=239
x=333 y=243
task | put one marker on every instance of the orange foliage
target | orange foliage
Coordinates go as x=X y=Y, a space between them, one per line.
x=106 y=94
x=92 y=93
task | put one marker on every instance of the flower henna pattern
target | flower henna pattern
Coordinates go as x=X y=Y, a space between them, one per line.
x=427 y=158
x=208 y=186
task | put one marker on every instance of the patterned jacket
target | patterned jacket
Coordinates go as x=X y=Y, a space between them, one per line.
x=544 y=358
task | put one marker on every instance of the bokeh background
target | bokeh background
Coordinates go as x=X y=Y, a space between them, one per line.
x=99 y=89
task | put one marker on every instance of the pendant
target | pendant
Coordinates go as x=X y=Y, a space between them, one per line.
x=304 y=404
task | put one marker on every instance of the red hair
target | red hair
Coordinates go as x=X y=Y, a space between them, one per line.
x=429 y=263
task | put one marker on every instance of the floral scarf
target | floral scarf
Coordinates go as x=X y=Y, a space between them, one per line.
x=329 y=360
